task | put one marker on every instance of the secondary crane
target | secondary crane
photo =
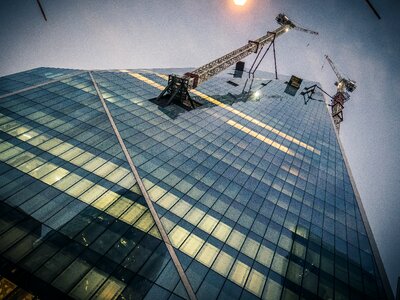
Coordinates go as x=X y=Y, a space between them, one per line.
x=178 y=86
x=344 y=87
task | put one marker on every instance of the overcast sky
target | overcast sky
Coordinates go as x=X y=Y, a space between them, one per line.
x=188 y=33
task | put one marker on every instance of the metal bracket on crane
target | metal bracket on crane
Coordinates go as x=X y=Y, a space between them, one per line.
x=272 y=43
x=255 y=43
x=177 y=92
x=310 y=91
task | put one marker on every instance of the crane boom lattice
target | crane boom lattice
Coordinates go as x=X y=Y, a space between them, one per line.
x=335 y=70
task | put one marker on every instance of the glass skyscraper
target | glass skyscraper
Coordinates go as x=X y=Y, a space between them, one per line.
x=107 y=195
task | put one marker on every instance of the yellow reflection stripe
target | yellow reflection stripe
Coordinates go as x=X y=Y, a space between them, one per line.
x=77 y=156
x=146 y=80
x=261 y=138
x=125 y=209
x=165 y=199
x=118 y=206
x=74 y=155
x=255 y=121
x=229 y=108
x=134 y=214
x=82 y=189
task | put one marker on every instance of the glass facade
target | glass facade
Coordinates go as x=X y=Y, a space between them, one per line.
x=247 y=196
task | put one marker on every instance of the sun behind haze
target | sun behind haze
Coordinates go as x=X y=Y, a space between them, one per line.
x=240 y=2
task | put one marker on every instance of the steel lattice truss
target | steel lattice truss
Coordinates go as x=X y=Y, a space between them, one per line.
x=224 y=62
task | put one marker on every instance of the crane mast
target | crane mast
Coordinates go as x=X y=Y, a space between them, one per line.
x=178 y=86
x=343 y=87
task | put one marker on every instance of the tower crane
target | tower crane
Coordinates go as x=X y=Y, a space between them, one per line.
x=179 y=86
x=344 y=87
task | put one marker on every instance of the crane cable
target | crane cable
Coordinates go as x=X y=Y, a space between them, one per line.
x=312 y=39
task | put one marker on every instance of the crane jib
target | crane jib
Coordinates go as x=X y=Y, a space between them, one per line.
x=218 y=65
x=177 y=90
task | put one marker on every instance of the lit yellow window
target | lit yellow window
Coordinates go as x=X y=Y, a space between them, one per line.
x=127 y=182
x=6 y=287
x=294 y=171
x=133 y=213
x=60 y=149
x=92 y=194
x=135 y=188
x=4 y=118
x=246 y=130
x=4 y=146
x=105 y=169
x=178 y=235
x=145 y=222
x=239 y=273
x=279 y=264
x=192 y=245
x=93 y=164
x=275 y=144
x=105 y=200
x=236 y=239
x=265 y=256
x=67 y=181
x=254 y=134
x=223 y=263
x=167 y=224
x=285 y=242
x=55 y=176
x=255 y=283
x=18 y=131
x=167 y=200
x=9 y=126
x=299 y=250
x=147 y=184
x=111 y=289
x=181 y=208
x=222 y=231
x=117 y=174
x=208 y=223
x=89 y=284
x=250 y=248
x=207 y=254
x=272 y=290
x=155 y=232
x=302 y=232
x=38 y=139
x=43 y=170
x=119 y=207
x=70 y=154
x=50 y=144
x=10 y=153
x=194 y=216
x=45 y=119
x=156 y=192
x=81 y=159
x=80 y=187
x=20 y=159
